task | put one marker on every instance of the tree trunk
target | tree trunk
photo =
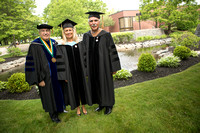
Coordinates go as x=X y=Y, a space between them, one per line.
x=5 y=41
x=14 y=40
x=169 y=29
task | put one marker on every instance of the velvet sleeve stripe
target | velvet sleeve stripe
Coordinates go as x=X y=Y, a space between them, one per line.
x=60 y=69
x=114 y=53
x=29 y=57
x=58 y=56
x=115 y=59
x=60 y=63
x=29 y=64
x=112 y=47
x=29 y=69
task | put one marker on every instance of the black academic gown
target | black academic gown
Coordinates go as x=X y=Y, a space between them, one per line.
x=39 y=67
x=101 y=60
x=70 y=68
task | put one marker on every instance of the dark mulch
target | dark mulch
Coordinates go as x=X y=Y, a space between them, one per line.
x=137 y=78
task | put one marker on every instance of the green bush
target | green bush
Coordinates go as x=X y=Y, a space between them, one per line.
x=14 y=51
x=122 y=74
x=147 y=38
x=2 y=59
x=169 y=61
x=122 y=37
x=147 y=63
x=182 y=51
x=2 y=85
x=0 y=53
x=194 y=53
x=187 y=39
x=17 y=83
x=176 y=34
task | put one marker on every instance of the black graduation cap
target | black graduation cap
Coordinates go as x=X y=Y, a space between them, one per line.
x=94 y=14
x=44 y=26
x=67 y=23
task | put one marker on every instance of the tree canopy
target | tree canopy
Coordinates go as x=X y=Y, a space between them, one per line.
x=182 y=14
x=58 y=10
x=17 y=20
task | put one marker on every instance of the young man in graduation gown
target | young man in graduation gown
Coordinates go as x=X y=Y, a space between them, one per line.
x=41 y=69
x=102 y=62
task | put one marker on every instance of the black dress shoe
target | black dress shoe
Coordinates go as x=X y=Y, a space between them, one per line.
x=108 y=110
x=99 y=108
x=56 y=120
x=54 y=117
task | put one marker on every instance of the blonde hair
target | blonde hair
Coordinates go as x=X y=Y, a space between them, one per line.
x=75 y=36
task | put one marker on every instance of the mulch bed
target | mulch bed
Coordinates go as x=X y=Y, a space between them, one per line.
x=137 y=78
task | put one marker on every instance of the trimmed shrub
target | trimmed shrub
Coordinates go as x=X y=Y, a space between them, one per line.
x=2 y=85
x=187 y=39
x=14 y=51
x=17 y=83
x=122 y=74
x=147 y=63
x=194 y=53
x=2 y=59
x=169 y=61
x=122 y=37
x=182 y=51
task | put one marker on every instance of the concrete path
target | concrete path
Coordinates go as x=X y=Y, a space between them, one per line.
x=23 y=47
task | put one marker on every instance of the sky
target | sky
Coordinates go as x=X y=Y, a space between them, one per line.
x=117 y=5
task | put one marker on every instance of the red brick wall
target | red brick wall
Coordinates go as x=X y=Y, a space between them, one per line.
x=128 y=13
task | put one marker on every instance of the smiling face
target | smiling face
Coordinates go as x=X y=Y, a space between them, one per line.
x=68 y=33
x=94 y=23
x=45 y=34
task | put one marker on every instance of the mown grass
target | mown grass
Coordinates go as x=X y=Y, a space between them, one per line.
x=8 y=55
x=169 y=104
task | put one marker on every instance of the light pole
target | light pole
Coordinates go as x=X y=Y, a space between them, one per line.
x=139 y=14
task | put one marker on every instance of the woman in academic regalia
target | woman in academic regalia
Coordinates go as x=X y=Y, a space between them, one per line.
x=70 y=68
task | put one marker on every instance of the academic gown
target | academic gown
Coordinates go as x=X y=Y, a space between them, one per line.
x=101 y=60
x=39 y=67
x=70 y=68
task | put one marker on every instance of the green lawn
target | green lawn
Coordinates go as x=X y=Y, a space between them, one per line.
x=169 y=104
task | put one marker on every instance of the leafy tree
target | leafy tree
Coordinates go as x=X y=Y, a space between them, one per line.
x=108 y=21
x=17 y=21
x=182 y=14
x=150 y=10
x=58 y=10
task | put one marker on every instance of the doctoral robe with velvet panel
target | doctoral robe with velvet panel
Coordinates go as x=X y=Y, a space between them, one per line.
x=39 y=67
x=101 y=60
x=70 y=68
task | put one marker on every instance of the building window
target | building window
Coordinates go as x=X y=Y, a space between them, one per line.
x=126 y=24
x=134 y=19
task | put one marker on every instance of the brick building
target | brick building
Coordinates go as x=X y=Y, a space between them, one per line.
x=127 y=20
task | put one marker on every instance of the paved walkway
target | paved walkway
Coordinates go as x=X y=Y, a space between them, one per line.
x=23 y=47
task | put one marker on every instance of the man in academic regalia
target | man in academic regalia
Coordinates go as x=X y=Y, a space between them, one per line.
x=102 y=62
x=41 y=69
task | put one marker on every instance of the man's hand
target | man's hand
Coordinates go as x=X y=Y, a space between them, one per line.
x=42 y=84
